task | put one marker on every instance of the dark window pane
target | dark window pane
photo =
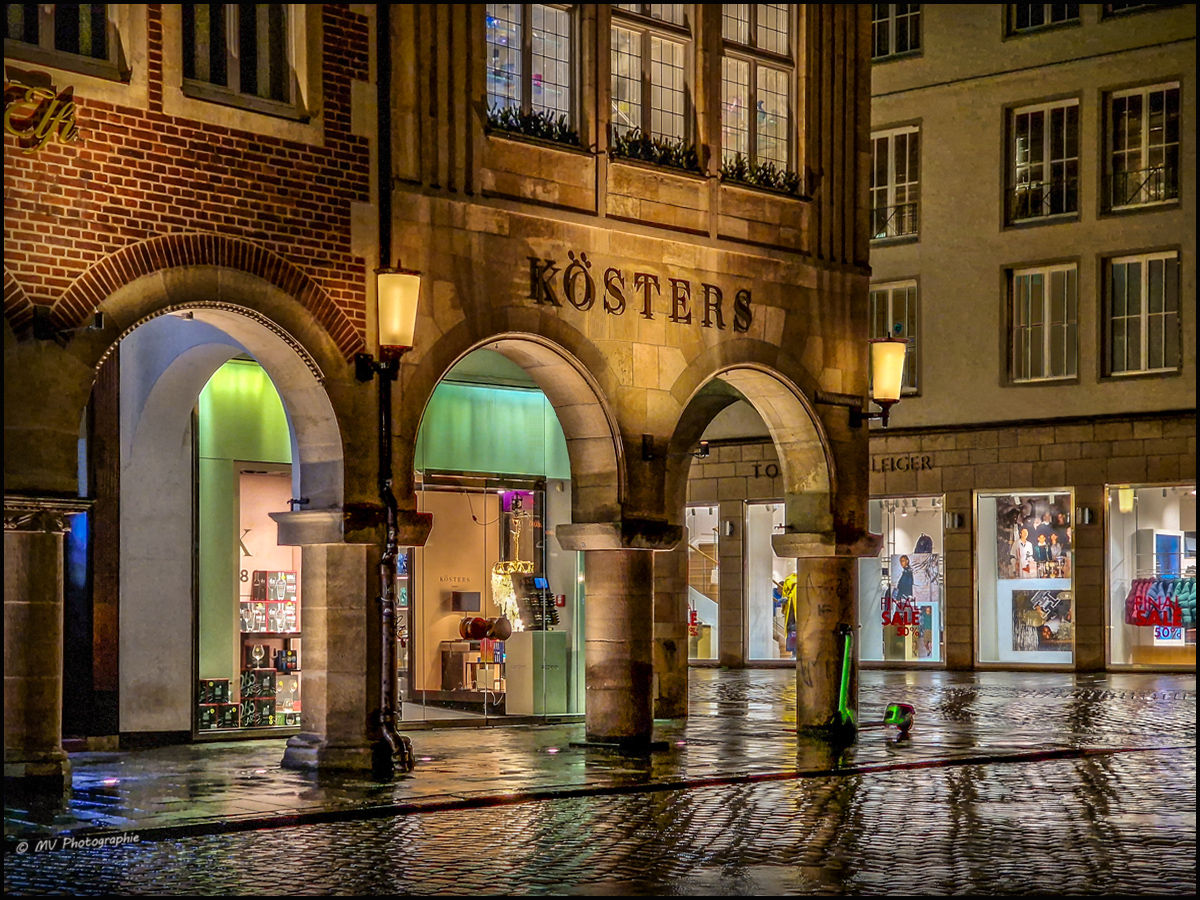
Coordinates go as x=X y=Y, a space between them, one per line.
x=248 y=47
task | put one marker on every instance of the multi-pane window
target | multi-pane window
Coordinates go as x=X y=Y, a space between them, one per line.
x=1143 y=313
x=893 y=313
x=1045 y=317
x=1026 y=16
x=895 y=29
x=895 y=166
x=529 y=57
x=1143 y=132
x=1044 y=161
x=242 y=48
x=756 y=77
x=649 y=47
x=81 y=29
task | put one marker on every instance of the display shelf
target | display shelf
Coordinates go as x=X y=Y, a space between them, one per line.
x=270 y=634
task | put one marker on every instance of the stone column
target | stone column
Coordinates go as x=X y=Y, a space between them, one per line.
x=619 y=640
x=33 y=642
x=670 y=634
x=339 y=658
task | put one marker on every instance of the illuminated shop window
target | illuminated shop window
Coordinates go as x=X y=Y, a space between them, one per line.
x=756 y=76
x=239 y=53
x=530 y=58
x=1043 y=168
x=771 y=590
x=704 y=596
x=895 y=29
x=895 y=170
x=900 y=593
x=1152 y=575
x=1024 y=561
x=1142 y=303
x=1143 y=147
x=1045 y=323
x=650 y=43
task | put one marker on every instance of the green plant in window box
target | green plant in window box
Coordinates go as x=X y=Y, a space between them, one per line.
x=764 y=175
x=634 y=144
x=535 y=123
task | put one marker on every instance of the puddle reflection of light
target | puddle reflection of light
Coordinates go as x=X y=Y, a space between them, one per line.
x=111 y=781
x=681 y=743
x=260 y=771
x=426 y=759
x=552 y=750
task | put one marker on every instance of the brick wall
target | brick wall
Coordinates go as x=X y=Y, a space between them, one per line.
x=138 y=173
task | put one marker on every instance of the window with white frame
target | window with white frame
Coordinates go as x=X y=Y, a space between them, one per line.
x=756 y=79
x=895 y=29
x=1043 y=166
x=893 y=313
x=529 y=48
x=239 y=52
x=895 y=168
x=1143 y=313
x=1028 y=16
x=1143 y=146
x=1045 y=322
x=650 y=42
x=80 y=36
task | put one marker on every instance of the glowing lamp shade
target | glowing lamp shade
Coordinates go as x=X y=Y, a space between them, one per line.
x=887 y=368
x=398 y=292
x=1125 y=499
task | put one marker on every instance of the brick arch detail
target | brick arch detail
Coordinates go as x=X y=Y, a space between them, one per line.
x=199 y=249
x=18 y=308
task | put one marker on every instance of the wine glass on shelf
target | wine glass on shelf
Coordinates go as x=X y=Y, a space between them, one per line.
x=258 y=653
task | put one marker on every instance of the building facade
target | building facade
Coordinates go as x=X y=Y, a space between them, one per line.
x=627 y=219
x=1034 y=236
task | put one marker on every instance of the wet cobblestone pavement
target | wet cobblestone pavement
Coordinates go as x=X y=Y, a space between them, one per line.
x=1011 y=783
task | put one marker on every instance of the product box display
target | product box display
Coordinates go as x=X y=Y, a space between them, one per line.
x=287 y=718
x=214 y=690
x=286 y=661
x=258 y=683
x=227 y=715
x=273 y=586
x=208 y=716
x=269 y=616
x=257 y=712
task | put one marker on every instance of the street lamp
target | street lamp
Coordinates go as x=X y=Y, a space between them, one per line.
x=887 y=378
x=397 y=294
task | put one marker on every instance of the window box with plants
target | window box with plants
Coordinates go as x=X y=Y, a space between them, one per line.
x=537 y=125
x=634 y=145
x=764 y=176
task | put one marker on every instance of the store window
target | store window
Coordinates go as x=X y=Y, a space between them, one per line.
x=895 y=29
x=895 y=166
x=650 y=42
x=238 y=53
x=771 y=593
x=1143 y=152
x=1152 y=575
x=1024 y=561
x=1142 y=322
x=900 y=594
x=756 y=77
x=703 y=582
x=1045 y=322
x=250 y=666
x=1043 y=168
x=529 y=58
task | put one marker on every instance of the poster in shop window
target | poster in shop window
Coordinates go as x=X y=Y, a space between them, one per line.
x=1033 y=536
x=1043 y=620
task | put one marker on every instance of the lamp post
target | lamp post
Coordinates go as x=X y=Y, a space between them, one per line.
x=397 y=295
x=887 y=380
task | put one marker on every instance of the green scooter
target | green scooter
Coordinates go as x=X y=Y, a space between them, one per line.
x=899 y=715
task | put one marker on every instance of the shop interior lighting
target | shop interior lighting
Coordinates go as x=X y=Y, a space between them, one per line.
x=1125 y=499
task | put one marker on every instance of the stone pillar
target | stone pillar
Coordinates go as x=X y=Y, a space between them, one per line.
x=339 y=657
x=33 y=642
x=618 y=638
x=670 y=634
x=826 y=607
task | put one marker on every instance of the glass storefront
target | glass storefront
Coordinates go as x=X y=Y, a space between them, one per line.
x=1152 y=575
x=703 y=582
x=900 y=593
x=770 y=587
x=1025 y=611
x=250 y=624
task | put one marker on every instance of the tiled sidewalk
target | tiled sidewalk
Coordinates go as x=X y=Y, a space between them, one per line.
x=741 y=728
